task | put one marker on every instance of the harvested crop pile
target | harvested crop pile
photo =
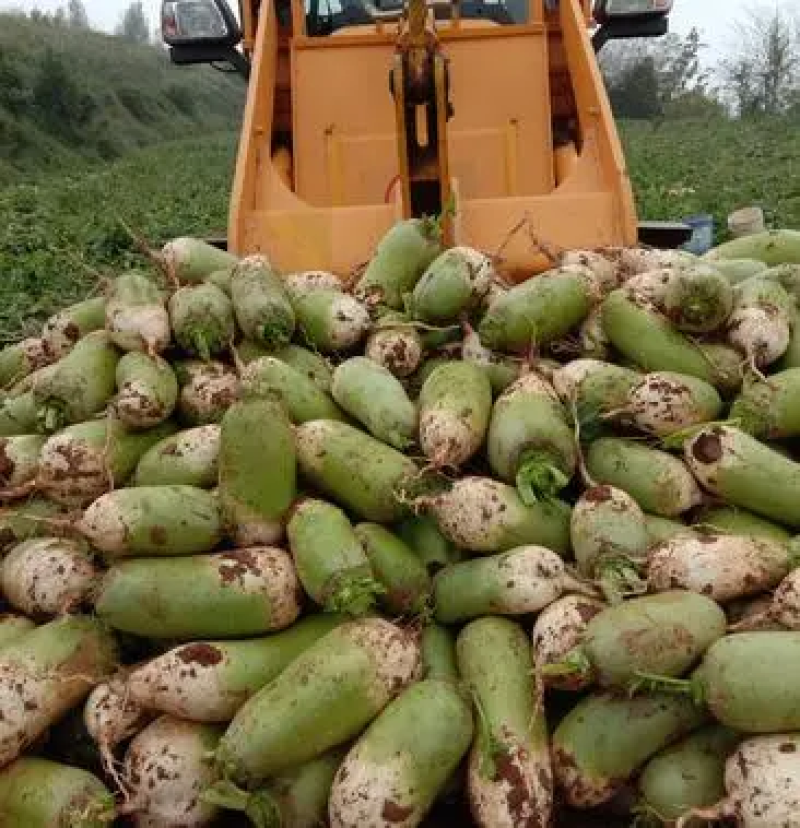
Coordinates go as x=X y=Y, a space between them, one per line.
x=433 y=550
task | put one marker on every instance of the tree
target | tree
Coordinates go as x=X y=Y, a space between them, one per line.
x=134 y=25
x=763 y=74
x=647 y=79
x=76 y=15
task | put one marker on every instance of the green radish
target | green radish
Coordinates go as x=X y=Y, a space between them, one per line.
x=407 y=586
x=761 y=781
x=45 y=673
x=32 y=518
x=501 y=369
x=663 y=403
x=48 y=576
x=423 y=536
x=452 y=284
x=303 y=398
x=607 y=737
x=455 y=404
x=769 y=409
x=608 y=532
x=791 y=358
x=207 y=390
x=661 y=529
x=726 y=363
x=84 y=461
x=646 y=337
x=191 y=260
x=19 y=459
x=331 y=563
x=660 y=483
x=400 y=259
x=760 y=326
x=13 y=626
x=600 y=397
x=723 y=567
x=323 y=699
x=18 y=414
x=486 y=516
x=687 y=775
x=80 y=385
x=38 y=793
x=62 y=330
x=529 y=442
x=540 y=310
x=509 y=774
x=296 y=798
x=22 y=359
x=331 y=321
x=147 y=390
x=395 y=344
x=414 y=383
x=221 y=279
x=136 y=318
x=354 y=469
x=438 y=653
x=187 y=458
x=248 y=350
x=397 y=768
x=256 y=436
x=261 y=304
x=746 y=473
x=786 y=275
x=517 y=582
x=730 y=520
x=202 y=320
x=208 y=681
x=737 y=270
x=698 y=299
x=773 y=247
x=665 y=634
x=748 y=682
x=228 y=595
x=165 y=772
x=153 y=521
x=314 y=366
x=557 y=633
x=377 y=399
x=298 y=284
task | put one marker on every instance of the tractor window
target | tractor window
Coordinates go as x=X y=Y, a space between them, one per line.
x=323 y=17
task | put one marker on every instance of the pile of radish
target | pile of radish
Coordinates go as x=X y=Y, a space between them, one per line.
x=414 y=548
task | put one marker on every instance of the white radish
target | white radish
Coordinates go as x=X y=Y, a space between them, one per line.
x=723 y=567
x=559 y=629
x=603 y=268
x=167 y=768
x=208 y=389
x=762 y=780
x=111 y=717
x=47 y=576
x=665 y=402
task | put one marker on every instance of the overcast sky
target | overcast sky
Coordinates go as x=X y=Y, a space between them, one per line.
x=713 y=17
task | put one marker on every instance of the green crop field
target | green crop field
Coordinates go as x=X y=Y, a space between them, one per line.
x=59 y=235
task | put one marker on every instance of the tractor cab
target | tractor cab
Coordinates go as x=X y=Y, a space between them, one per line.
x=490 y=113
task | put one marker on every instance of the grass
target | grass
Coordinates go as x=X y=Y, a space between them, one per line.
x=58 y=236
x=73 y=97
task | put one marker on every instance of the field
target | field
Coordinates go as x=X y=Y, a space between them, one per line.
x=60 y=235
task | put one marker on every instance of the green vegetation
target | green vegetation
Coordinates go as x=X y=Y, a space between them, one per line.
x=70 y=96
